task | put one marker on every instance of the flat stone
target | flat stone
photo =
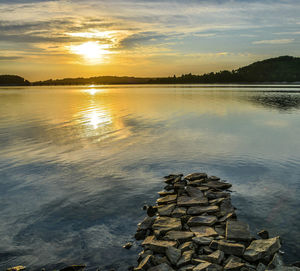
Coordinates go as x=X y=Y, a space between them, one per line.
x=144 y=254
x=218 y=185
x=161 y=267
x=144 y=264
x=16 y=268
x=173 y=254
x=226 y=207
x=204 y=220
x=186 y=201
x=226 y=217
x=179 y=212
x=146 y=223
x=186 y=246
x=202 y=240
x=165 y=193
x=197 y=183
x=216 y=201
x=233 y=266
x=204 y=231
x=195 y=176
x=259 y=249
x=159 y=259
x=220 y=229
x=198 y=210
x=216 y=195
x=186 y=258
x=167 y=200
x=180 y=236
x=188 y=267
x=207 y=266
x=158 y=246
x=164 y=224
x=237 y=231
x=194 y=192
x=216 y=257
x=214 y=178
x=166 y=210
x=231 y=248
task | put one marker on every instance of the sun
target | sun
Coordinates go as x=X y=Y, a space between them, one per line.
x=91 y=51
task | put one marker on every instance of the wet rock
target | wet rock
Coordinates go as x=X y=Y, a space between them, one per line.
x=16 y=268
x=186 y=201
x=276 y=262
x=259 y=249
x=73 y=268
x=195 y=176
x=186 y=246
x=231 y=248
x=237 y=231
x=128 y=245
x=144 y=254
x=188 y=267
x=216 y=201
x=173 y=254
x=166 y=210
x=227 y=217
x=167 y=200
x=161 y=267
x=140 y=235
x=178 y=212
x=218 y=185
x=185 y=258
x=203 y=241
x=151 y=211
x=166 y=193
x=226 y=207
x=144 y=264
x=216 y=257
x=198 y=210
x=180 y=236
x=203 y=220
x=164 y=224
x=197 y=183
x=220 y=229
x=214 y=178
x=204 y=231
x=158 y=259
x=194 y=192
x=261 y=267
x=158 y=246
x=297 y=264
x=146 y=223
x=207 y=266
x=233 y=265
x=214 y=244
x=169 y=187
x=207 y=250
x=263 y=234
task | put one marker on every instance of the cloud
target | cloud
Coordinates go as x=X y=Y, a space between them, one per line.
x=8 y=58
x=280 y=41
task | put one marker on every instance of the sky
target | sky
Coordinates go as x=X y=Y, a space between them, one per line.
x=41 y=39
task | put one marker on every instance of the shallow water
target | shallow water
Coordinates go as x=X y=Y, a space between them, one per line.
x=78 y=163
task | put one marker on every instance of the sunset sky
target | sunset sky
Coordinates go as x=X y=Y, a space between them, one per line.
x=42 y=39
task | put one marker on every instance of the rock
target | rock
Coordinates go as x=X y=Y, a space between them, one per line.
x=158 y=259
x=140 y=235
x=128 y=245
x=231 y=248
x=179 y=212
x=186 y=201
x=161 y=267
x=213 y=178
x=207 y=266
x=259 y=249
x=226 y=217
x=180 y=236
x=151 y=211
x=164 y=224
x=16 y=268
x=297 y=264
x=202 y=240
x=263 y=234
x=197 y=183
x=166 y=193
x=220 y=229
x=216 y=195
x=233 y=259
x=144 y=264
x=188 y=267
x=158 y=246
x=204 y=231
x=144 y=254
x=185 y=258
x=167 y=199
x=233 y=265
x=203 y=220
x=207 y=250
x=194 y=192
x=173 y=254
x=169 y=187
x=276 y=262
x=216 y=201
x=226 y=207
x=195 y=176
x=216 y=257
x=198 y=210
x=186 y=246
x=261 y=267
x=146 y=223
x=237 y=231
x=166 y=210
x=214 y=244
x=218 y=185
x=72 y=268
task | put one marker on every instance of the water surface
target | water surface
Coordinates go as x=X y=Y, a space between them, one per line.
x=78 y=163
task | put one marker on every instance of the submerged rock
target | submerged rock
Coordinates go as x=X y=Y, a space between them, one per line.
x=16 y=268
x=237 y=231
x=128 y=245
x=263 y=234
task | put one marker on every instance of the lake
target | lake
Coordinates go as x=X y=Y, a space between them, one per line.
x=78 y=163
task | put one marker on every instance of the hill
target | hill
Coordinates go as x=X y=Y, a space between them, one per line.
x=13 y=80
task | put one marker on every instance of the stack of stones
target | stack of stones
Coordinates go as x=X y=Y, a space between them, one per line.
x=194 y=227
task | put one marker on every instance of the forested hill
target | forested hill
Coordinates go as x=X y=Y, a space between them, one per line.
x=280 y=69
x=13 y=80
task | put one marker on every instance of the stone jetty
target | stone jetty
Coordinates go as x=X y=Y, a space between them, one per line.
x=194 y=227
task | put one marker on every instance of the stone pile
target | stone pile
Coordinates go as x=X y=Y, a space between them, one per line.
x=194 y=227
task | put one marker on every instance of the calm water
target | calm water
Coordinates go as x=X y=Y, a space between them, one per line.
x=78 y=163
